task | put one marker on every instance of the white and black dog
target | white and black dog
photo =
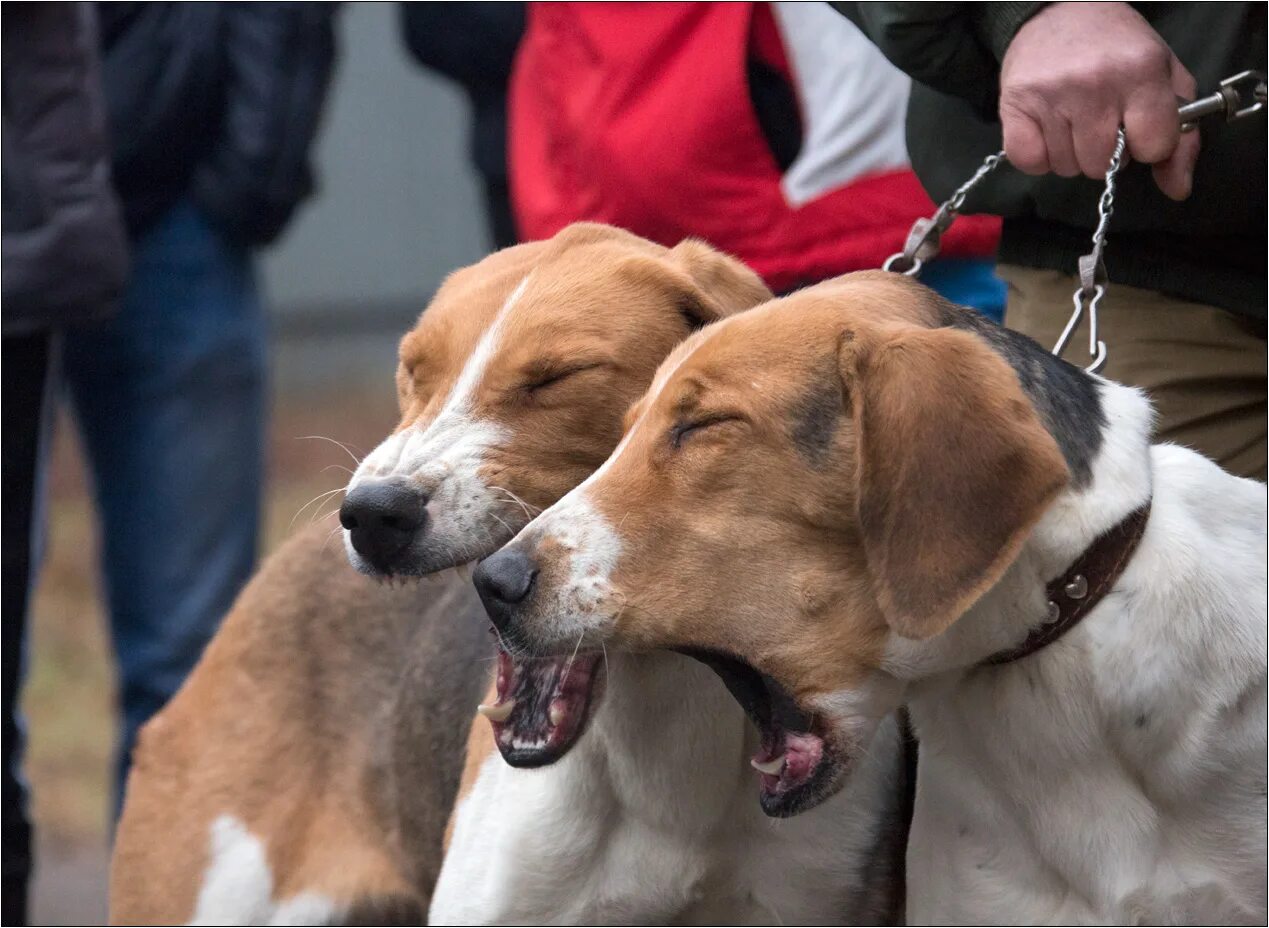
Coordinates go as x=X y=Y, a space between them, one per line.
x=864 y=496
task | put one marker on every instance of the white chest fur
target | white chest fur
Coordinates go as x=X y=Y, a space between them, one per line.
x=1117 y=777
x=654 y=819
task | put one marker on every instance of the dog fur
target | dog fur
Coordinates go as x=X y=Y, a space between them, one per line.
x=863 y=492
x=305 y=772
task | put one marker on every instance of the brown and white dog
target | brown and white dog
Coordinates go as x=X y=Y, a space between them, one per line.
x=306 y=769
x=648 y=818
x=305 y=772
x=861 y=495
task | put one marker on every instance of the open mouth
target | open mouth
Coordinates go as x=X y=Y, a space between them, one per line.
x=543 y=705
x=797 y=767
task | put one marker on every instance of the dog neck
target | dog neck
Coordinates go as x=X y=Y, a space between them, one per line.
x=665 y=732
x=1146 y=721
x=1119 y=482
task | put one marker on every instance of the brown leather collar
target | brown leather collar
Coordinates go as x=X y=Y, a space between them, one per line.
x=1074 y=594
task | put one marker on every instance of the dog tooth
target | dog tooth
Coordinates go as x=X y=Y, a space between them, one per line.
x=498 y=712
x=555 y=714
x=771 y=767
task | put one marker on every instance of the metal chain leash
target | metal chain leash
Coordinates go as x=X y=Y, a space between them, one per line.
x=1093 y=269
x=927 y=232
x=1238 y=96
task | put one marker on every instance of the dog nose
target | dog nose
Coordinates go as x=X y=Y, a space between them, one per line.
x=504 y=580
x=382 y=517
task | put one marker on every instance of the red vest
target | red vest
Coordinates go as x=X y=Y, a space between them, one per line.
x=639 y=115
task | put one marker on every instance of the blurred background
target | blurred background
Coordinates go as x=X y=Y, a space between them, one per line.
x=773 y=131
x=398 y=208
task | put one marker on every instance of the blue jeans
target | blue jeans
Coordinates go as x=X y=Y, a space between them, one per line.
x=968 y=282
x=170 y=400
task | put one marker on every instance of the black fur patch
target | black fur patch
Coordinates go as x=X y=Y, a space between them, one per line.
x=815 y=416
x=1065 y=397
x=386 y=910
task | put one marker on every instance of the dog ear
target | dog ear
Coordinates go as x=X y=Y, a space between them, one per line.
x=954 y=469
x=720 y=285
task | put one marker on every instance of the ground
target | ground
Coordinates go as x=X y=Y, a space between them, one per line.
x=69 y=697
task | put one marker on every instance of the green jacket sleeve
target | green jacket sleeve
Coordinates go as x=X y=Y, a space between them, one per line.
x=954 y=48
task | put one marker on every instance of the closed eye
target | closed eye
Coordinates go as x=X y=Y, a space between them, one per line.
x=683 y=430
x=540 y=380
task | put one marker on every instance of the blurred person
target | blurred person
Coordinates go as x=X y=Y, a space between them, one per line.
x=773 y=131
x=64 y=263
x=212 y=108
x=1184 y=315
x=474 y=44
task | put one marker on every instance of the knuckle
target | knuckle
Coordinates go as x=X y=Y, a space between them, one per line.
x=1020 y=100
x=1151 y=59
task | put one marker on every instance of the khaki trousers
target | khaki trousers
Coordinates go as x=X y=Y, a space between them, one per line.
x=1204 y=368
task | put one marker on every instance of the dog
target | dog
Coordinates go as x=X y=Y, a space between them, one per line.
x=307 y=769
x=643 y=812
x=860 y=495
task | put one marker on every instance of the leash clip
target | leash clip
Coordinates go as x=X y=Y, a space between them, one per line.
x=1092 y=269
x=1237 y=97
x=1093 y=282
x=926 y=234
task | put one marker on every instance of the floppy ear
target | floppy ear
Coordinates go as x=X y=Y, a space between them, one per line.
x=720 y=285
x=954 y=469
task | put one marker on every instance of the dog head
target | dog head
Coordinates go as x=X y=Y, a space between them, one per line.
x=512 y=388
x=802 y=483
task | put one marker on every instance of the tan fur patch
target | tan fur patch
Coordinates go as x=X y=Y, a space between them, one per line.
x=735 y=537
x=316 y=651
x=955 y=469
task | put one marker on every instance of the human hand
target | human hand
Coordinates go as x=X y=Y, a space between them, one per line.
x=1073 y=74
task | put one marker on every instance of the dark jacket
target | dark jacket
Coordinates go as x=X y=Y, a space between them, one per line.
x=1210 y=249
x=217 y=101
x=65 y=256
x=473 y=44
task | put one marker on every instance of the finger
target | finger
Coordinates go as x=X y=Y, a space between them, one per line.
x=1175 y=175
x=1150 y=115
x=1095 y=142
x=1183 y=83
x=1023 y=141
x=1061 y=145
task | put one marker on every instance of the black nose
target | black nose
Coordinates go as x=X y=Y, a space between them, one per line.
x=383 y=517
x=504 y=580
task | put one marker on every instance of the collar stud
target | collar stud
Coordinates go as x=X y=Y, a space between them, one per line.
x=1077 y=588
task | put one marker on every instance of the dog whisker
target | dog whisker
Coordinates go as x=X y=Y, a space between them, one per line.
x=319 y=496
x=356 y=460
x=577 y=647
x=319 y=516
x=502 y=643
x=333 y=531
x=529 y=511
